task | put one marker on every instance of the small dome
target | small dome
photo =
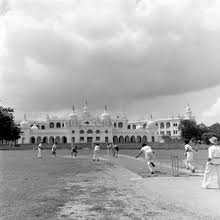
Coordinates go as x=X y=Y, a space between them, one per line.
x=34 y=128
x=105 y=115
x=73 y=115
x=151 y=125
x=24 y=123
x=139 y=127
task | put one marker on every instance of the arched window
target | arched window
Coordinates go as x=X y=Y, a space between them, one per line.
x=121 y=139
x=58 y=125
x=168 y=124
x=152 y=139
x=127 y=139
x=64 y=140
x=115 y=139
x=73 y=139
x=115 y=124
x=120 y=125
x=144 y=125
x=161 y=125
x=32 y=140
x=134 y=126
x=45 y=140
x=57 y=139
x=133 y=139
x=42 y=127
x=73 y=132
x=129 y=126
x=106 y=139
x=106 y=131
x=81 y=132
x=89 y=131
x=51 y=140
x=138 y=139
x=51 y=125
x=144 y=139
x=38 y=140
x=97 y=131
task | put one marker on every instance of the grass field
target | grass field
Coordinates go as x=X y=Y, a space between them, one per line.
x=34 y=188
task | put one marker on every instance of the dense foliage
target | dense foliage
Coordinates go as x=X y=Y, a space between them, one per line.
x=190 y=130
x=9 y=131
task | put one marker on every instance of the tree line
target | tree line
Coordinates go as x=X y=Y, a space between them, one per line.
x=191 y=130
x=9 y=131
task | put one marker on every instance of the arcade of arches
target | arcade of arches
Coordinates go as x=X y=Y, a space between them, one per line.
x=131 y=139
x=48 y=140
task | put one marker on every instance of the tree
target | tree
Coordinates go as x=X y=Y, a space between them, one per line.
x=202 y=128
x=189 y=129
x=215 y=128
x=207 y=136
x=9 y=131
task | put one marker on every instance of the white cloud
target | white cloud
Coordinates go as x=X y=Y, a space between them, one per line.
x=213 y=111
x=114 y=51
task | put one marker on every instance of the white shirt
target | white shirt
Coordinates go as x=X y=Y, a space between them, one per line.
x=54 y=147
x=148 y=152
x=188 y=148
x=97 y=147
x=214 y=154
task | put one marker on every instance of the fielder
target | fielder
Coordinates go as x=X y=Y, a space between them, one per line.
x=96 y=152
x=149 y=156
x=213 y=164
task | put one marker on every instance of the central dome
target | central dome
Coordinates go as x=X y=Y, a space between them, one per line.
x=105 y=115
x=34 y=127
x=151 y=125
x=73 y=114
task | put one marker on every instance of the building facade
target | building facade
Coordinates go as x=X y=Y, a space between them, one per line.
x=84 y=127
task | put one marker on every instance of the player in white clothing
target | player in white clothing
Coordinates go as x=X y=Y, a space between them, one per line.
x=189 y=156
x=213 y=164
x=149 y=156
x=96 y=152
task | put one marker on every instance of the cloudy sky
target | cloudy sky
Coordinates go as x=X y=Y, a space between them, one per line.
x=138 y=56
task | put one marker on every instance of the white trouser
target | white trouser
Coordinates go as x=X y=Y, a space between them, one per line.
x=148 y=162
x=189 y=160
x=189 y=165
x=39 y=153
x=96 y=155
x=210 y=172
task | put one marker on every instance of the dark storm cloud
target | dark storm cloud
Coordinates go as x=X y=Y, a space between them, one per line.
x=116 y=52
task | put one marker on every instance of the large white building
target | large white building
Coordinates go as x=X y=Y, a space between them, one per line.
x=83 y=127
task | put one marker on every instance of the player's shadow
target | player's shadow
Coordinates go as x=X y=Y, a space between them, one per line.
x=157 y=173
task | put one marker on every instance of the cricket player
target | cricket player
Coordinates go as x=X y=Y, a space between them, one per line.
x=96 y=152
x=189 y=156
x=149 y=156
x=54 y=149
x=213 y=164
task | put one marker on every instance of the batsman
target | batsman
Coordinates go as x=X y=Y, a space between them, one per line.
x=149 y=156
